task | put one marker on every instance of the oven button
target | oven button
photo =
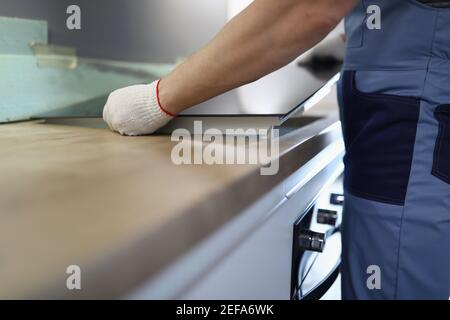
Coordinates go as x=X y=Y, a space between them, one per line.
x=328 y=217
x=337 y=199
x=311 y=241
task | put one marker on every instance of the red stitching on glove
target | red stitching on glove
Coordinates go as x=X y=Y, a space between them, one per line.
x=159 y=101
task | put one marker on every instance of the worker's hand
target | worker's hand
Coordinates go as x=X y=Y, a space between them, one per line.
x=135 y=110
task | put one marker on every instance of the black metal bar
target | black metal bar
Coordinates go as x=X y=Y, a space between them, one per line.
x=319 y=291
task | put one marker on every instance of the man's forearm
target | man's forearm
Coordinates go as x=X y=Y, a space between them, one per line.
x=263 y=38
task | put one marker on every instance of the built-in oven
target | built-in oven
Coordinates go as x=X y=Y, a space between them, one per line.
x=316 y=248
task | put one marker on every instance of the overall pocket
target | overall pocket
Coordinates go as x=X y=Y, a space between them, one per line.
x=441 y=162
x=354 y=26
x=379 y=134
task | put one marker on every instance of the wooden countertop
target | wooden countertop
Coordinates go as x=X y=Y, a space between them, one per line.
x=116 y=206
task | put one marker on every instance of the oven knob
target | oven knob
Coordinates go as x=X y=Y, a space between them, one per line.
x=337 y=199
x=311 y=241
x=327 y=217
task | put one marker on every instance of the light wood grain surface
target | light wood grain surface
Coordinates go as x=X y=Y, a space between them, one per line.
x=116 y=206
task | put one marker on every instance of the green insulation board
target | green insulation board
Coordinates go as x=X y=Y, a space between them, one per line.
x=17 y=34
x=30 y=89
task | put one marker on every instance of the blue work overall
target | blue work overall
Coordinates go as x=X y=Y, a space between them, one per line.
x=395 y=105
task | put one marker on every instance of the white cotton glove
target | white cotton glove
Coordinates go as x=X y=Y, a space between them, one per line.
x=135 y=110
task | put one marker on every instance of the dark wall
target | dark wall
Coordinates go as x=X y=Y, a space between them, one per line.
x=135 y=30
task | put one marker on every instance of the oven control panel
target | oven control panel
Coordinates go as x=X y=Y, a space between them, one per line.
x=316 y=252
